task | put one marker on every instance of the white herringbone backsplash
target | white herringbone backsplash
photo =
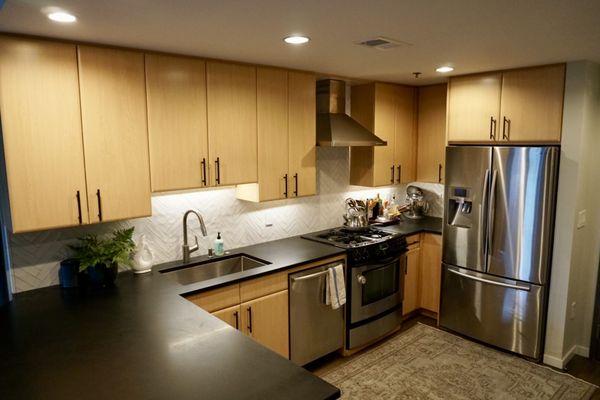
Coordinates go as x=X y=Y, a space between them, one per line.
x=36 y=256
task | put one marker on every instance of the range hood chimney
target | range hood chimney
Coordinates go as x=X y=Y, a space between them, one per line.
x=334 y=127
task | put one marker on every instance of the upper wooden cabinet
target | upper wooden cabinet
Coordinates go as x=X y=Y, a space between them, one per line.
x=232 y=130
x=390 y=112
x=302 y=134
x=532 y=104
x=115 y=135
x=522 y=106
x=431 y=128
x=286 y=136
x=177 y=126
x=41 y=130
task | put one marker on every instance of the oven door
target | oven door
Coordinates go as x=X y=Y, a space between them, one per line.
x=376 y=288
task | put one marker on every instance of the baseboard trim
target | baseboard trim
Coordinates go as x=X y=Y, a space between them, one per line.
x=561 y=362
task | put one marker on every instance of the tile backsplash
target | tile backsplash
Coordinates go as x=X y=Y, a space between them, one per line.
x=35 y=257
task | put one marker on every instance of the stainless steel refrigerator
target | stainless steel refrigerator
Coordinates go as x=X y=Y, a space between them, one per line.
x=497 y=243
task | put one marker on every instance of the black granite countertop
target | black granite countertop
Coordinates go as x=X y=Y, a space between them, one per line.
x=411 y=226
x=142 y=340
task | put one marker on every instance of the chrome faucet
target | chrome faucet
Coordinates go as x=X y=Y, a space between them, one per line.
x=187 y=250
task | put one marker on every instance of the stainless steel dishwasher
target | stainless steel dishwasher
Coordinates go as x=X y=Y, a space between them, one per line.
x=315 y=328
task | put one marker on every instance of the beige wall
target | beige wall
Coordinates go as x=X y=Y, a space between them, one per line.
x=576 y=250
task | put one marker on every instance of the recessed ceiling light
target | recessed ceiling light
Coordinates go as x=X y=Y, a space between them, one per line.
x=62 y=17
x=296 y=39
x=444 y=69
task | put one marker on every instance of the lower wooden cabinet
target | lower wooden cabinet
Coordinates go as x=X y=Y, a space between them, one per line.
x=230 y=315
x=266 y=320
x=422 y=283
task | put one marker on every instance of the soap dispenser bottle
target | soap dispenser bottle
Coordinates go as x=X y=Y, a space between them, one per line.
x=219 y=245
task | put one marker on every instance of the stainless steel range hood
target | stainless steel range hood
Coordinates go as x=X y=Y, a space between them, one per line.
x=334 y=127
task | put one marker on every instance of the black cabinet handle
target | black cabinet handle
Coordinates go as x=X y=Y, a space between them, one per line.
x=285 y=179
x=392 y=180
x=506 y=128
x=79 y=217
x=237 y=319
x=399 y=173
x=439 y=173
x=492 y=128
x=203 y=171
x=99 y=204
x=218 y=173
x=249 y=309
x=296 y=184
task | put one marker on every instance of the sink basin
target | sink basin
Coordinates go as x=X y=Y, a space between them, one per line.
x=213 y=269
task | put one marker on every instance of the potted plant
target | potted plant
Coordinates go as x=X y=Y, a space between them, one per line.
x=99 y=259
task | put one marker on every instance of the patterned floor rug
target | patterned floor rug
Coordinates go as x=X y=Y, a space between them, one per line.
x=427 y=363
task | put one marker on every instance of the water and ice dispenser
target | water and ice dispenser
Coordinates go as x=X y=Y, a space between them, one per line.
x=460 y=206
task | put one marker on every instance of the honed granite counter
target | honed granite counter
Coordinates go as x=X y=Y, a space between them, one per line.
x=142 y=340
x=411 y=226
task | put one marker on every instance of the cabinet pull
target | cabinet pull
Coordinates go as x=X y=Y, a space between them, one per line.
x=492 y=128
x=237 y=319
x=296 y=184
x=399 y=173
x=439 y=173
x=392 y=180
x=79 y=216
x=99 y=205
x=285 y=179
x=506 y=128
x=218 y=173
x=249 y=310
x=203 y=171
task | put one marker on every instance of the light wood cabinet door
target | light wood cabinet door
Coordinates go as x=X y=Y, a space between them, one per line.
x=41 y=128
x=302 y=134
x=232 y=134
x=266 y=321
x=411 y=281
x=272 y=117
x=385 y=127
x=474 y=108
x=177 y=127
x=431 y=271
x=405 y=135
x=230 y=316
x=431 y=133
x=532 y=104
x=115 y=135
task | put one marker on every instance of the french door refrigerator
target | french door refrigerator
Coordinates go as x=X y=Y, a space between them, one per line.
x=497 y=243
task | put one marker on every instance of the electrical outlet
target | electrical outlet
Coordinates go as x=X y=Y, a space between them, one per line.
x=572 y=312
x=581 y=219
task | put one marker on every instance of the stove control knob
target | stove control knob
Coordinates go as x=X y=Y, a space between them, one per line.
x=361 y=279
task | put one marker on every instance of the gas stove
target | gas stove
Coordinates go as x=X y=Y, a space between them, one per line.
x=347 y=239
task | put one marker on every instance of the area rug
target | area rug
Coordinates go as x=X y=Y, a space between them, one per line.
x=428 y=363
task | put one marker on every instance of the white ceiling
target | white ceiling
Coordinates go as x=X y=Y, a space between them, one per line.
x=473 y=35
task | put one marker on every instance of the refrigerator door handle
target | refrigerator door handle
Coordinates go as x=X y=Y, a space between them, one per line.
x=491 y=213
x=483 y=213
x=526 y=288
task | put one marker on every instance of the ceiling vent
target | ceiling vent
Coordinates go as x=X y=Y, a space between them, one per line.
x=382 y=43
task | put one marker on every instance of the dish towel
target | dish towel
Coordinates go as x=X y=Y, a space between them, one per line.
x=335 y=287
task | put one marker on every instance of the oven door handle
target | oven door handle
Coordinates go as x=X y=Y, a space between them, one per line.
x=387 y=261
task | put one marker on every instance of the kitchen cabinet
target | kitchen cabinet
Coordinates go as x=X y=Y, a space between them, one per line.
x=431 y=271
x=115 y=135
x=177 y=122
x=390 y=112
x=474 y=107
x=230 y=315
x=266 y=320
x=286 y=136
x=41 y=130
x=431 y=133
x=411 y=280
x=520 y=106
x=532 y=104
x=232 y=123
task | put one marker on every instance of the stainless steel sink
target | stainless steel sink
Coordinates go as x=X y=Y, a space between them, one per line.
x=213 y=269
